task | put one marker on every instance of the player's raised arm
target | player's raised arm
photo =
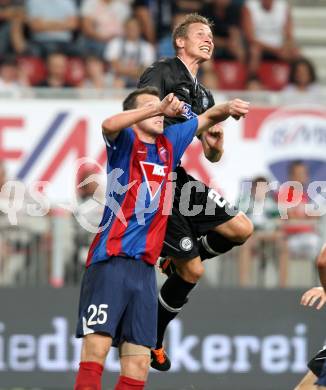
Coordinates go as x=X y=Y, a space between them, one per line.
x=170 y=106
x=236 y=108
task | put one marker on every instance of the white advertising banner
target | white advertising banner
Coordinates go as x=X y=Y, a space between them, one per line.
x=41 y=140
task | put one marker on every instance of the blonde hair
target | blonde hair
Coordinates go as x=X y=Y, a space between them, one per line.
x=181 y=29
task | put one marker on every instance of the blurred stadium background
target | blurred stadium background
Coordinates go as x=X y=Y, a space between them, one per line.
x=64 y=66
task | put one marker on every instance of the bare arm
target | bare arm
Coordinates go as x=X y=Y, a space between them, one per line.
x=213 y=143
x=17 y=32
x=145 y=19
x=40 y=25
x=317 y=294
x=321 y=265
x=220 y=112
x=89 y=30
x=112 y=126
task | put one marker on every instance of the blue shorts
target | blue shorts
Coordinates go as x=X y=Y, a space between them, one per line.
x=119 y=298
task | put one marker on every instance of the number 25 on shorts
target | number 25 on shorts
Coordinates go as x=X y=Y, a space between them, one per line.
x=98 y=315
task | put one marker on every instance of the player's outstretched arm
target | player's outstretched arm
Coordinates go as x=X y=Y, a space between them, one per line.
x=170 y=106
x=213 y=143
x=236 y=108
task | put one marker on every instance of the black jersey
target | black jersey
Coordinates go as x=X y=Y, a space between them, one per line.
x=171 y=75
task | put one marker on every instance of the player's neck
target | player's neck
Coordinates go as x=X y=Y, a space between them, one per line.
x=190 y=63
x=145 y=137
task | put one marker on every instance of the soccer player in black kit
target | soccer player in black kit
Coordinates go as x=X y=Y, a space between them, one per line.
x=218 y=227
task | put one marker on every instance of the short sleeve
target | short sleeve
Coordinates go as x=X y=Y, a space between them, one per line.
x=181 y=136
x=32 y=7
x=87 y=7
x=112 y=50
x=148 y=54
x=123 y=141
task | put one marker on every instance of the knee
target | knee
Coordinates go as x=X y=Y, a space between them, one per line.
x=243 y=228
x=94 y=350
x=135 y=367
x=192 y=271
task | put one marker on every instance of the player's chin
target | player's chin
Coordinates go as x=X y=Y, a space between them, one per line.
x=158 y=130
x=205 y=56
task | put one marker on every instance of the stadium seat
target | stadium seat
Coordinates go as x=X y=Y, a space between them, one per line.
x=274 y=75
x=34 y=67
x=232 y=75
x=75 y=71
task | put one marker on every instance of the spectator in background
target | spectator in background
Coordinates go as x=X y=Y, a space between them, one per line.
x=186 y=6
x=12 y=77
x=226 y=17
x=254 y=84
x=10 y=10
x=56 y=64
x=96 y=75
x=300 y=228
x=156 y=16
x=129 y=55
x=102 y=20
x=267 y=27
x=52 y=24
x=302 y=78
x=165 y=44
x=260 y=205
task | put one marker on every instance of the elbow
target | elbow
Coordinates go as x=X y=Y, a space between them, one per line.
x=108 y=126
x=214 y=157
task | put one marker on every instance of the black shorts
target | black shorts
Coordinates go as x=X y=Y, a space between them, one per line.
x=317 y=362
x=196 y=210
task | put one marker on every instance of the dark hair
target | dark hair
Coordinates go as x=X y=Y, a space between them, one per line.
x=181 y=29
x=130 y=101
x=294 y=66
x=259 y=179
x=294 y=164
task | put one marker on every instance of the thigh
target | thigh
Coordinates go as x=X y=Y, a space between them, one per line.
x=104 y=297
x=307 y=383
x=139 y=323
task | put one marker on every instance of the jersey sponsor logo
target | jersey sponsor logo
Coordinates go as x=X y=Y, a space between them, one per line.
x=205 y=101
x=186 y=244
x=187 y=112
x=154 y=176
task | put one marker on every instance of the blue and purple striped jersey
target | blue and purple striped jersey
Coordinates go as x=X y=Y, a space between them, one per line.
x=138 y=196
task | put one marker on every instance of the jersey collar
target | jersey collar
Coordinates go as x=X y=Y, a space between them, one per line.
x=194 y=78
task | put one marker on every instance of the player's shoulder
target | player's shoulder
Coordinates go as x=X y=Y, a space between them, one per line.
x=166 y=63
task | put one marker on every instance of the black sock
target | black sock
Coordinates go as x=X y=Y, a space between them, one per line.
x=172 y=297
x=214 y=244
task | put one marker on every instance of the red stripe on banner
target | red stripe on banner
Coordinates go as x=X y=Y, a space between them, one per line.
x=157 y=229
x=10 y=124
x=75 y=142
x=254 y=120
x=114 y=240
x=92 y=248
